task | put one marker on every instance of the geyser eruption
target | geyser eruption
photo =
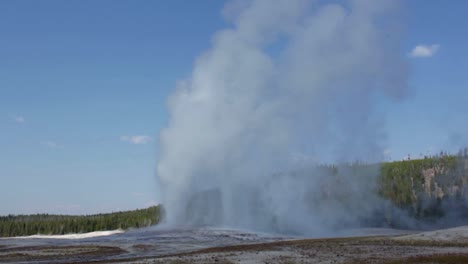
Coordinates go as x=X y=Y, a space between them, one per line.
x=291 y=82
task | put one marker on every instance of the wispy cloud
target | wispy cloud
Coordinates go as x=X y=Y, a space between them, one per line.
x=137 y=140
x=51 y=144
x=424 y=51
x=20 y=119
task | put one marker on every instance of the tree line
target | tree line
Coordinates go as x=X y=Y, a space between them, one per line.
x=26 y=225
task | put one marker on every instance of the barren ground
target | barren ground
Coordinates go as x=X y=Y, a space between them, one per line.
x=442 y=246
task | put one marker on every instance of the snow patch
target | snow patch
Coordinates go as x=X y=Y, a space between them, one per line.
x=78 y=236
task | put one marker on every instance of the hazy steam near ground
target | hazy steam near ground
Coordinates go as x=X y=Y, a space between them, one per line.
x=291 y=82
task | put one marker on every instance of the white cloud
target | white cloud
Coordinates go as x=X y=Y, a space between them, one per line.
x=137 y=140
x=19 y=119
x=51 y=144
x=424 y=51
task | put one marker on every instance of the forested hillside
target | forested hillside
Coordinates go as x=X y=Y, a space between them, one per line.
x=25 y=225
x=429 y=188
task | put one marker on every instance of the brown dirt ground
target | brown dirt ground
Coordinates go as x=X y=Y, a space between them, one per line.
x=337 y=250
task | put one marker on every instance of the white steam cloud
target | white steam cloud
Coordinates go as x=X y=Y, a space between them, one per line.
x=290 y=78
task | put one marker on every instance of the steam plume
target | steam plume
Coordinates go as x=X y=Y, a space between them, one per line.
x=292 y=81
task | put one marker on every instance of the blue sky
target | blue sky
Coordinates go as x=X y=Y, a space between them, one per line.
x=84 y=84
